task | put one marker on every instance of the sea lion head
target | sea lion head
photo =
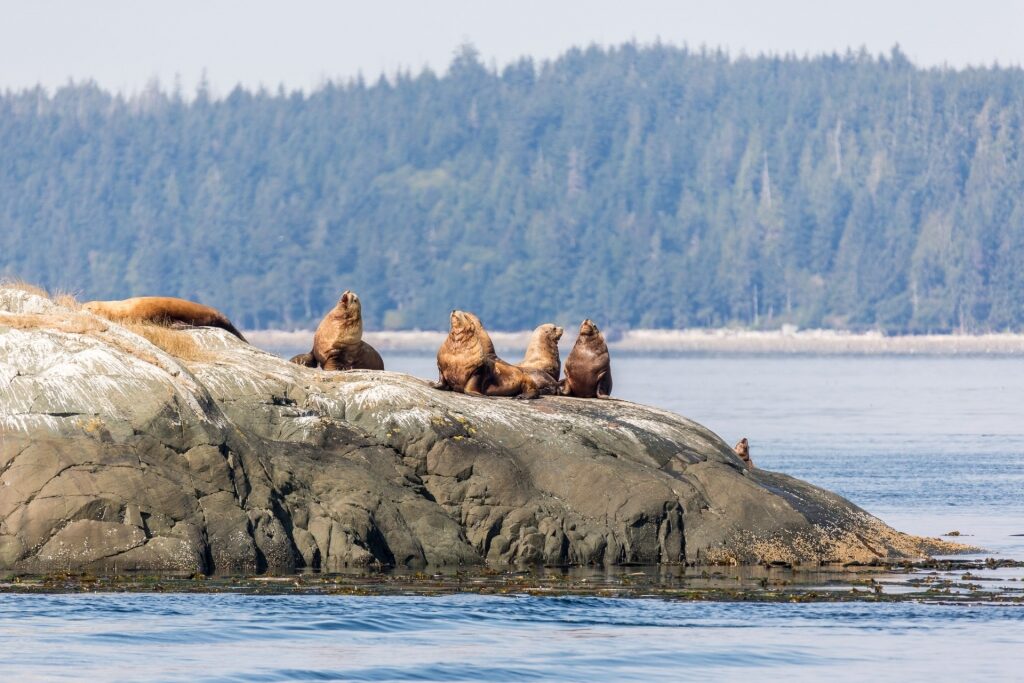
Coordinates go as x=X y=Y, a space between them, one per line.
x=348 y=300
x=463 y=325
x=551 y=332
x=588 y=328
x=347 y=318
x=349 y=306
x=546 y=335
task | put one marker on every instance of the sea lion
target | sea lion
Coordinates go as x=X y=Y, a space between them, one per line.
x=506 y=379
x=542 y=353
x=338 y=342
x=466 y=363
x=743 y=450
x=463 y=361
x=588 y=370
x=162 y=310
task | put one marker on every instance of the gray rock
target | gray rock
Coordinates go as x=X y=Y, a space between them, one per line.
x=115 y=455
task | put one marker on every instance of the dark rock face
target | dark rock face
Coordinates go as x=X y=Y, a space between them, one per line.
x=117 y=456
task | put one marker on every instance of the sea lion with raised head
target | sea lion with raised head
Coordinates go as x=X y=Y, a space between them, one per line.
x=542 y=353
x=742 y=449
x=338 y=342
x=162 y=310
x=464 y=359
x=466 y=363
x=588 y=370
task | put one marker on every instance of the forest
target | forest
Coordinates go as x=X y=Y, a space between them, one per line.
x=642 y=186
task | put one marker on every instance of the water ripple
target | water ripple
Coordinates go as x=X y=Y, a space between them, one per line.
x=471 y=637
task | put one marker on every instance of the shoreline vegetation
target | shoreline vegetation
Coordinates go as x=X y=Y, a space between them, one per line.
x=642 y=186
x=721 y=340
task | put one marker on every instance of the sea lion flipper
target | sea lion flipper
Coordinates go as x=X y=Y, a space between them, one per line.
x=231 y=328
x=473 y=386
x=305 y=359
x=604 y=384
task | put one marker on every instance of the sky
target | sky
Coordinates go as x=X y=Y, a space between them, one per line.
x=123 y=45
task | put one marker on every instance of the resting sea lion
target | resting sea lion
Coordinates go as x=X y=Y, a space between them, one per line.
x=162 y=310
x=743 y=450
x=588 y=370
x=463 y=360
x=542 y=353
x=466 y=363
x=338 y=343
x=506 y=379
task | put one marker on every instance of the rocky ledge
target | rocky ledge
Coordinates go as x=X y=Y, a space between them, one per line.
x=116 y=456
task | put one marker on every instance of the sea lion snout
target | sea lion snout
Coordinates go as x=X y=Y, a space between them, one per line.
x=459 y=320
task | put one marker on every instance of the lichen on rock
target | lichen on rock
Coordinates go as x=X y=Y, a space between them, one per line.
x=117 y=456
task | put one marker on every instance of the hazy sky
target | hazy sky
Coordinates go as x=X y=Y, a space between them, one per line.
x=123 y=44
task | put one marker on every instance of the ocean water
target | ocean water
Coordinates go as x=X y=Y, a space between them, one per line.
x=931 y=445
x=482 y=638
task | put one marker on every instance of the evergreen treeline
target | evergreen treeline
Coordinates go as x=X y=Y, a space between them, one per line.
x=643 y=187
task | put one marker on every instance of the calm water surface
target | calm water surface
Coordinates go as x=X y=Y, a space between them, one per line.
x=467 y=637
x=928 y=444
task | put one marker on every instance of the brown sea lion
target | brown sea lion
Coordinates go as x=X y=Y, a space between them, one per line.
x=463 y=361
x=542 y=353
x=338 y=342
x=162 y=310
x=506 y=379
x=743 y=450
x=588 y=370
x=466 y=363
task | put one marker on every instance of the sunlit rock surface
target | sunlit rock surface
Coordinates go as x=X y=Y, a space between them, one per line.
x=116 y=456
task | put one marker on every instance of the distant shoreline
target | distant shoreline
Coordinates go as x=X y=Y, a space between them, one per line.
x=723 y=341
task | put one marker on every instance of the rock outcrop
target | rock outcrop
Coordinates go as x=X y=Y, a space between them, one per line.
x=115 y=455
